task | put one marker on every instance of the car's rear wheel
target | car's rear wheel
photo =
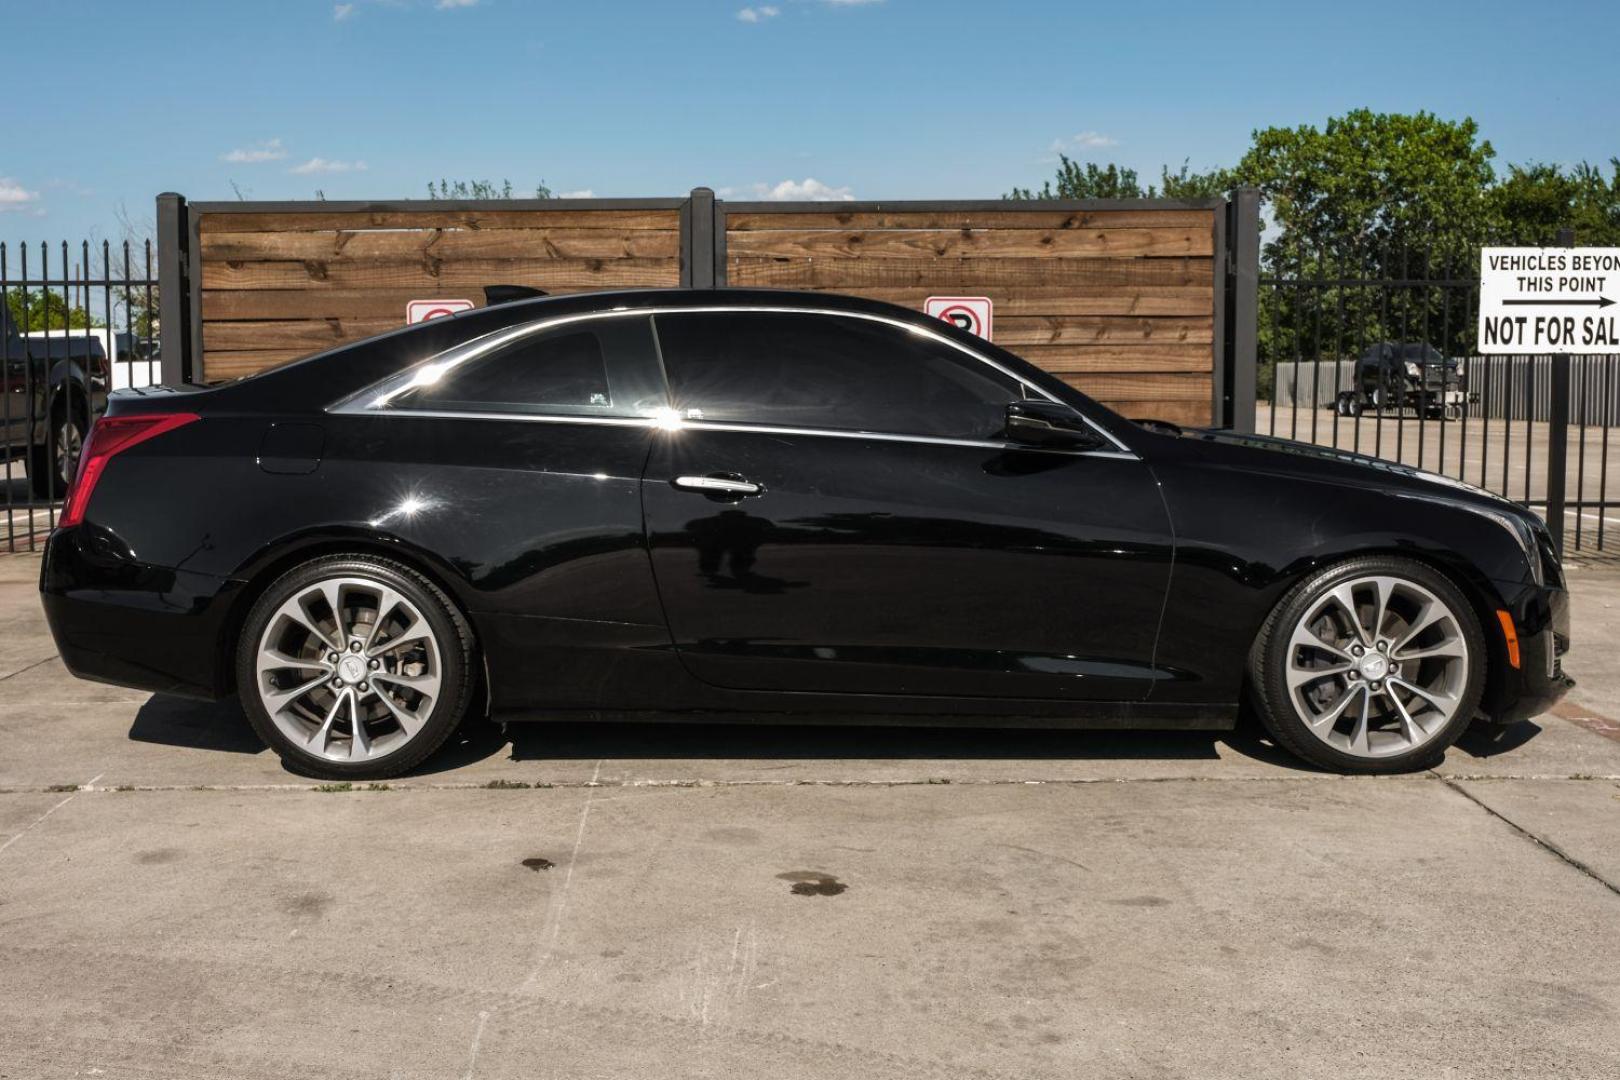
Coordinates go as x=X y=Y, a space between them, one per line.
x=354 y=667
x=1371 y=665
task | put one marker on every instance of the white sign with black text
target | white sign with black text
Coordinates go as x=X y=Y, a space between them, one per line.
x=1549 y=300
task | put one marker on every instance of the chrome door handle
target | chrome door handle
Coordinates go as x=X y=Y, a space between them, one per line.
x=716 y=485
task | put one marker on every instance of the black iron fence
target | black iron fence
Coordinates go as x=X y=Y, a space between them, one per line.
x=1374 y=353
x=76 y=322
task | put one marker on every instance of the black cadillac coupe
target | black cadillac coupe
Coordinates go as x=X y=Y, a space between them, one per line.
x=764 y=506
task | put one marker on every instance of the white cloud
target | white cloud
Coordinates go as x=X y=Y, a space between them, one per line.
x=758 y=14
x=807 y=190
x=1085 y=140
x=269 y=150
x=342 y=11
x=446 y=5
x=850 y=3
x=582 y=193
x=13 y=196
x=322 y=165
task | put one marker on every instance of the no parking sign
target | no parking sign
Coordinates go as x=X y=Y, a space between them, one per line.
x=422 y=310
x=970 y=313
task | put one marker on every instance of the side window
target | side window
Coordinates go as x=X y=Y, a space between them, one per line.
x=596 y=367
x=826 y=371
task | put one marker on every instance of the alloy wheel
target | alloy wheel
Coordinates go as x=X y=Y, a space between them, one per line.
x=69 y=442
x=349 y=669
x=1377 y=666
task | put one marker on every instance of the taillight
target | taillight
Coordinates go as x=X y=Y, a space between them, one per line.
x=109 y=436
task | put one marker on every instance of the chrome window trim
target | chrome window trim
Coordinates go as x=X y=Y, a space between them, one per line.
x=675 y=424
x=469 y=350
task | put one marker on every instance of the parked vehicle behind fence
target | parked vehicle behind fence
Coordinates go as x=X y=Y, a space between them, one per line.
x=52 y=386
x=1396 y=376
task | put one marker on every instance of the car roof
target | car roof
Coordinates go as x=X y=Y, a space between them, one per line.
x=633 y=299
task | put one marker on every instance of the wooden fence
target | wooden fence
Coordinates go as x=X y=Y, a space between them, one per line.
x=1123 y=299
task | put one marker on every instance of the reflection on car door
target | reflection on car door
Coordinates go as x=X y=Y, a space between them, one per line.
x=839 y=515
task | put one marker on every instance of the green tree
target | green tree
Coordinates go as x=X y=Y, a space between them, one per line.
x=42 y=310
x=1534 y=201
x=1186 y=184
x=480 y=189
x=1088 y=181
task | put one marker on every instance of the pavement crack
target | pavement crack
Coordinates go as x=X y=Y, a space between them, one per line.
x=30 y=667
x=1539 y=841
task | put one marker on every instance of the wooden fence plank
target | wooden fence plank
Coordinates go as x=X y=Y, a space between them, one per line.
x=1011 y=301
x=310 y=335
x=973 y=219
x=970 y=276
x=415 y=245
x=1012 y=332
x=221 y=364
x=461 y=275
x=1191 y=413
x=324 y=221
x=221 y=304
x=1193 y=386
x=982 y=243
x=1079 y=359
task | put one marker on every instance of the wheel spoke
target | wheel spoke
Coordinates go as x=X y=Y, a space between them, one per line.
x=1444 y=704
x=1359 y=743
x=359 y=739
x=276 y=700
x=1305 y=637
x=1383 y=590
x=1299 y=676
x=276 y=660
x=387 y=601
x=1432 y=614
x=323 y=735
x=415 y=630
x=409 y=722
x=1327 y=720
x=1345 y=597
x=1409 y=727
x=332 y=593
x=1451 y=647
x=424 y=684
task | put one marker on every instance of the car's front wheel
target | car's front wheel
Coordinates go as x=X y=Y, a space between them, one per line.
x=354 y=667
x=1372 y=665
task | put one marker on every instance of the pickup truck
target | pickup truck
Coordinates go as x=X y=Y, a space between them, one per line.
x=51 y=388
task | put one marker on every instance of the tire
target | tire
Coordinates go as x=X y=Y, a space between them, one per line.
x=1313 y=673
x=49 y=471
x=405 y=660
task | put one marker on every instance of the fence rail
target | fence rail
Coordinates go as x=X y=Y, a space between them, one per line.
x=76 y=322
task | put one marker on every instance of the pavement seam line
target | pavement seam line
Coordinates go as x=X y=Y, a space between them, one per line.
x=397 y=787
x=31 y=825
x=1548 y=845
x=30 y=667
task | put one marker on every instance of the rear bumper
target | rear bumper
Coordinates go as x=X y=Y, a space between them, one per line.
x=117 y=620
x=1541 y=616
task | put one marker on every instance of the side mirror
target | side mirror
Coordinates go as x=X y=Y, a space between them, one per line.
x=1046 y=423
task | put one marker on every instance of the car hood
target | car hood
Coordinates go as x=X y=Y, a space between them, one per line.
x=1265 y=453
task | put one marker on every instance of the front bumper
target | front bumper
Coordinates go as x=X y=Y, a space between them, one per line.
x=1541 y=618
x=118 y=620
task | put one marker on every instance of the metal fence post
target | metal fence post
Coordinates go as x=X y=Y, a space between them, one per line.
x=697 y=240
x=174 y=290
x=1558 y=432
x=1242 y=312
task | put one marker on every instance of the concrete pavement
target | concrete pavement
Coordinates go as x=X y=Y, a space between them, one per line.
x=690 y=901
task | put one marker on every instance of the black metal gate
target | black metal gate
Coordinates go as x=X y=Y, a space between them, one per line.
x=75 y=323
x=1375 y=354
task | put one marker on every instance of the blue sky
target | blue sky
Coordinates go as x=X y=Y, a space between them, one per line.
x=108 y=103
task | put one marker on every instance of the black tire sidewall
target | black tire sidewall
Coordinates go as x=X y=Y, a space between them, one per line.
x=1269 y=660
x=455 y=654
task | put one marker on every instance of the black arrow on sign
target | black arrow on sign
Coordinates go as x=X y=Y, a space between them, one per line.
x=1599 y=302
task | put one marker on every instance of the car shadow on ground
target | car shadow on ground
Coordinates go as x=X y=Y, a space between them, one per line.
x=220 y=726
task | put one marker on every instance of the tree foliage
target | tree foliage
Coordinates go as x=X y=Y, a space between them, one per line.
x=37 y=310
x=480 y=189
